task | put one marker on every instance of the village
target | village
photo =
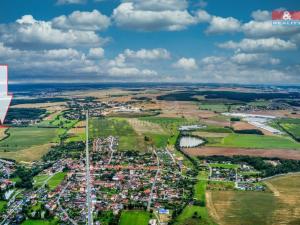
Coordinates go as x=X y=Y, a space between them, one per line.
x=224 y=175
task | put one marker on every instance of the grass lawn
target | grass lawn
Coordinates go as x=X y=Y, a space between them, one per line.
x=224 y=166
x=26 y=137
x=200 y=187
x=40 y=222
x=158 y=140
x=40 y=179
x=190 y=211
x=56 y=180
x=257 y=141
x=134 y=218
x=2 y=205
x=196 y=215
x=119 y=127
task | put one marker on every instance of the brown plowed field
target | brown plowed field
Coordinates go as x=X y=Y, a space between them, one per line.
x=269 y=153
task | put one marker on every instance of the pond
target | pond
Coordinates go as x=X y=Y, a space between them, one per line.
x=189 y=142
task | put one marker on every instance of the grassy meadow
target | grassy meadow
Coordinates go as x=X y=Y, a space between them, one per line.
x=119 y=127
x=26 y=137
x=255 y=141
x=196 y=214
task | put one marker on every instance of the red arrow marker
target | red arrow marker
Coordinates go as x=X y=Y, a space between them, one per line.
x=5 y=98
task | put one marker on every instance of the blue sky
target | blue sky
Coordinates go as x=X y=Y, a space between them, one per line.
x=228 y=41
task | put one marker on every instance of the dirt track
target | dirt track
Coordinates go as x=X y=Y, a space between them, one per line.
x=269 y=153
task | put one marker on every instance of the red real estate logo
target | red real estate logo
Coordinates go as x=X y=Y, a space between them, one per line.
x=289 y=18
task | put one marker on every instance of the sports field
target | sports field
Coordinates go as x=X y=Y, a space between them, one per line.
x=134 y=218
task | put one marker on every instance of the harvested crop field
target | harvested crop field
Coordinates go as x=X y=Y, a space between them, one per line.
x=2 y=133
x=288 y=188
x=242 y=207
x=269 y=153
x=216 y=122
x=27 y=155
x=281 y=205
x=141 y=126
x=186 y=109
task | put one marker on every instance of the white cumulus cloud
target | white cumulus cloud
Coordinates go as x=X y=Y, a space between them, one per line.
x=66 y=2
x=150 y=54
x=127 y=15
x=223 y=25
x=130 y=71
x=254 y=58
x=265 y=44
x=96 y=53
x=186 y=64
x=82 y=21
x=33 y=34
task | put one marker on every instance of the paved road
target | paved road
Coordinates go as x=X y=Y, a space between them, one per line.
x=88 y=175
x=154 y=183
x=111 y=139
x=16 y=206
x=61 y=208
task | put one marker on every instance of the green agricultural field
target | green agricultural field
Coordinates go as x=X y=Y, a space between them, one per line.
x=257 y=141
x=170 y=127
x=119 y=127
x=61 y=121
x=215 y=129
x=293 y=129
x=26 y=137
x=56 y=180
x=158 y=140
x=134 y=218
